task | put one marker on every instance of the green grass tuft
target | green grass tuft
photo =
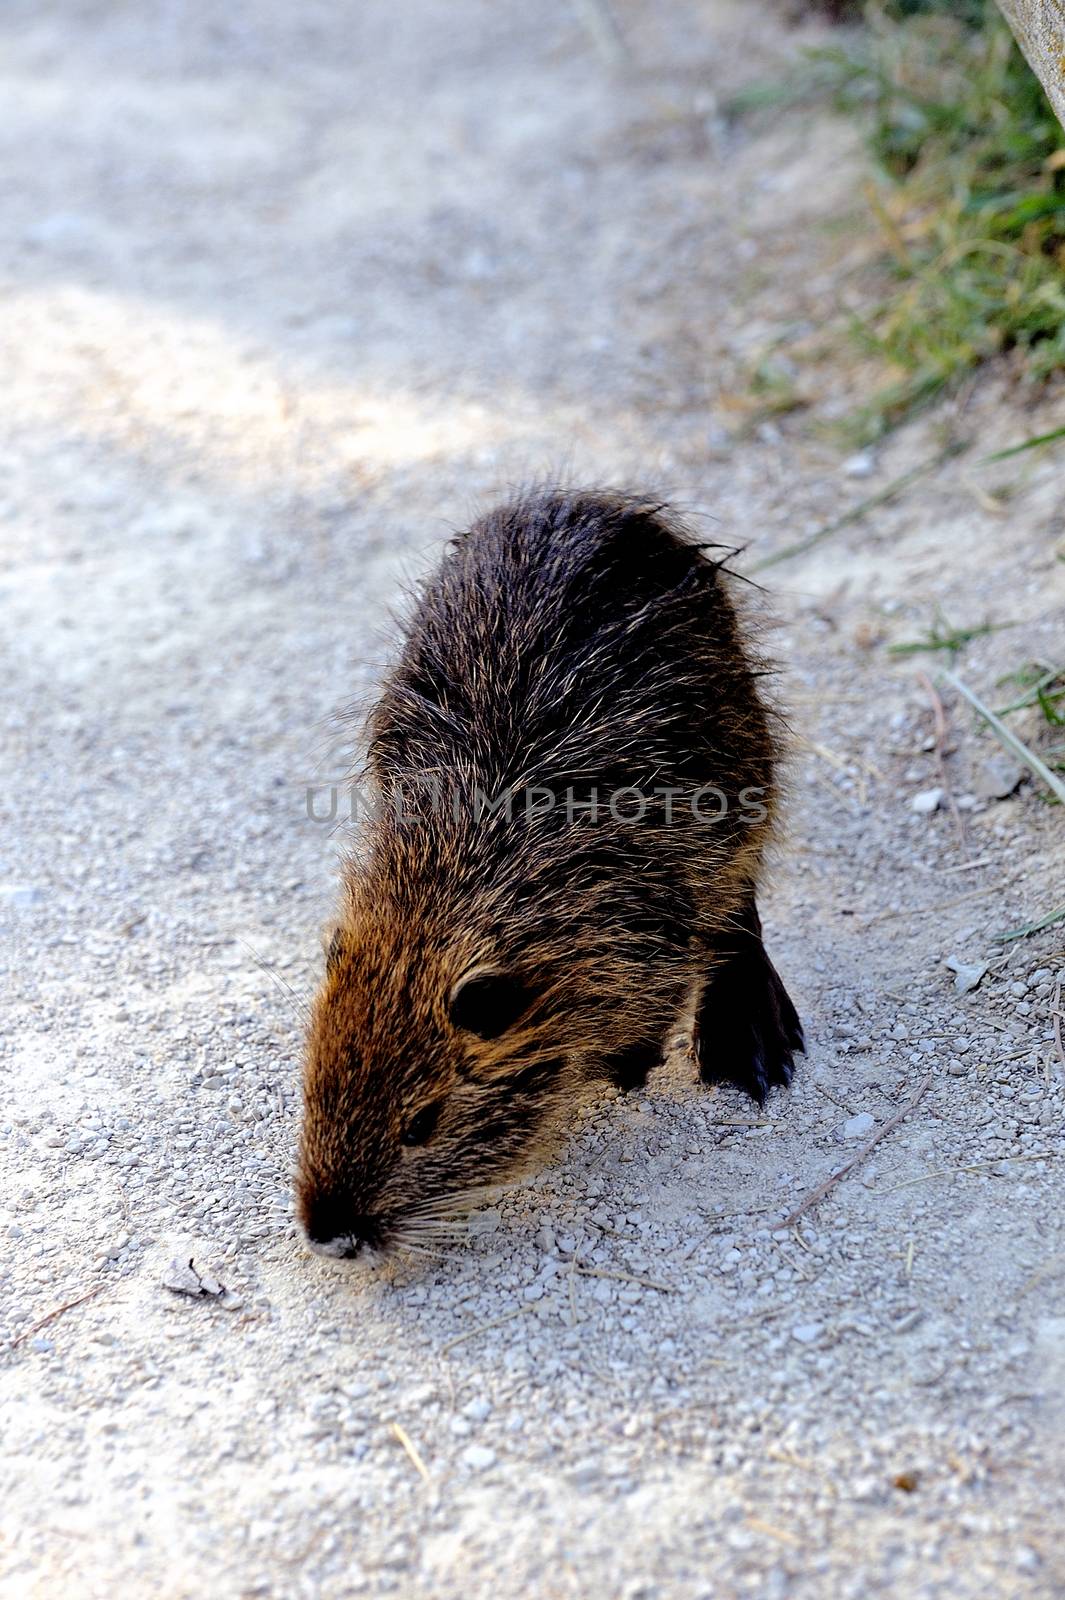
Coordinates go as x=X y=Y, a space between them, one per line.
x=942 y=636
x=1041 y=686
x=969 y=198
x=1035 y=443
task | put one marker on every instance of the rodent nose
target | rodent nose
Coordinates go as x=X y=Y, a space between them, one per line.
x=331 y=1230
x=342 y=1248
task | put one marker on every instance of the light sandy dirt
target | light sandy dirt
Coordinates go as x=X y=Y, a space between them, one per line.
x=288 y=291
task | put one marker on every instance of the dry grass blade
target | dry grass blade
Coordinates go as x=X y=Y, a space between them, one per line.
x=788 y=1458
x=1041 y=1274
x=969 y=1166
x=940 y=716
x=604 y=30
x=757 y=1525
x=409 y=1446
x=819 y=1193
x=938 y=905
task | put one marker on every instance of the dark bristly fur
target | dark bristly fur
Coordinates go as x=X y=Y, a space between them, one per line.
x=485 y=965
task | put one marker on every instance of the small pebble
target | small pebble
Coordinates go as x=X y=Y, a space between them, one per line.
x=926 y=802
x=999 y=777
x=967 y=975
x=21 y=895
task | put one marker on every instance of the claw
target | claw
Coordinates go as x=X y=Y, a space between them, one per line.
x=747 y=1030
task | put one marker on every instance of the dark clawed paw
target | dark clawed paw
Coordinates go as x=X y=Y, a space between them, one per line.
x=629 y=1068
x=748 y=1031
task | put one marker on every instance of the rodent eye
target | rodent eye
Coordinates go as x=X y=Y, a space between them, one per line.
x=422 y=1125
x=487 y=1003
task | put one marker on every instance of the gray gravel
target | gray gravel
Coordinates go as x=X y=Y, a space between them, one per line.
x=289 y=291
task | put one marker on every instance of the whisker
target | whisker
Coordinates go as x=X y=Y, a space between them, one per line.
x=462 y=1200
x=436 y=1215
x=430 y=1225
x=299 y=1005
x=421 y=1250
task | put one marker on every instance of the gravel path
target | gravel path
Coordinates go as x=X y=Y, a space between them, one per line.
x=289 y=291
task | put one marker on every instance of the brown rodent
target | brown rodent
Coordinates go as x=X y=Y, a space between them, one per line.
x=579 y=653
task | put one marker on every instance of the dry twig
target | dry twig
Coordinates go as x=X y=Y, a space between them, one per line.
x=482 y=1327
x=622 y=1277
x=966 y=866
x=819 y=1193
x=69 y=1305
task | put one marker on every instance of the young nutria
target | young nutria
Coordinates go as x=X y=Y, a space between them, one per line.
x=574 y=776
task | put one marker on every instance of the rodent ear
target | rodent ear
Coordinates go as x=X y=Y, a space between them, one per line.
x=487 y=1002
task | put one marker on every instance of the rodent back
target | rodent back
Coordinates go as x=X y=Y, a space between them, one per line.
x=573 y=637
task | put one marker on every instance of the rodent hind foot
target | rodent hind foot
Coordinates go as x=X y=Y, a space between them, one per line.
x=629 y=1068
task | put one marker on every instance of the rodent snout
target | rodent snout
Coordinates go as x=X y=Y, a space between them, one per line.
x=345 y=1247
x=330 y=1230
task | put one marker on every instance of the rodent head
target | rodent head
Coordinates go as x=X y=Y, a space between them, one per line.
x=428 y=1077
